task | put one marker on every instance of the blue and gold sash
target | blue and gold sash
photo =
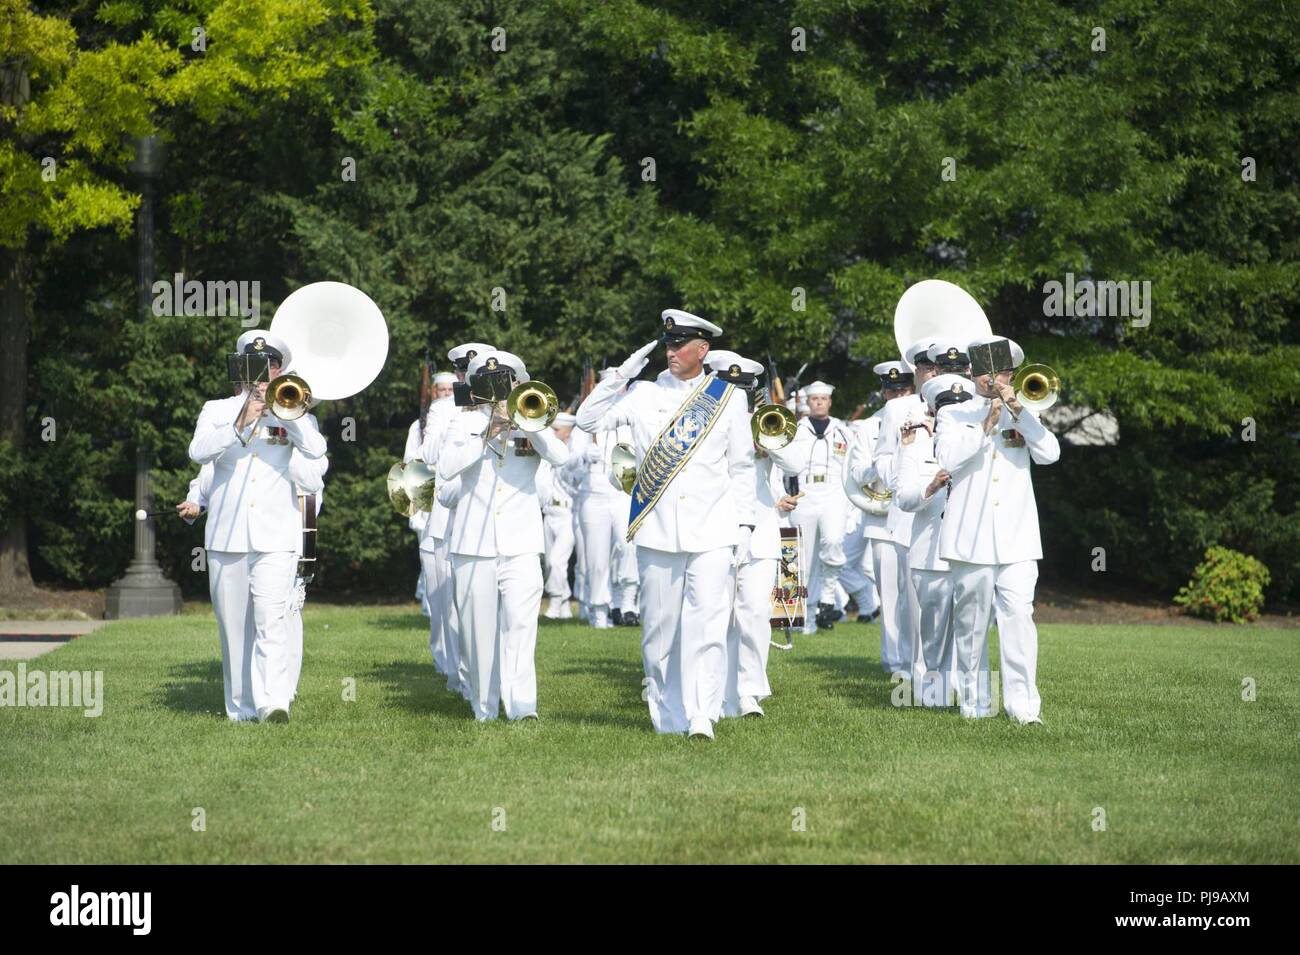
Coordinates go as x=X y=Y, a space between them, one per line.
x=688 y=427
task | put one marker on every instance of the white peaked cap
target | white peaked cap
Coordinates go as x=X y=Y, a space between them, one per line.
x=250 y=338
x=931 y=389
x=721 y=360
x=487 y=361
x=675 y=319
x=462 y=351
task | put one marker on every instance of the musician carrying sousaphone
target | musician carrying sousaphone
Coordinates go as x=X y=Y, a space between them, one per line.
x=328 y=340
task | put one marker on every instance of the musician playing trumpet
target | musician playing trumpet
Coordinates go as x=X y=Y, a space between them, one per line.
x=253 y=528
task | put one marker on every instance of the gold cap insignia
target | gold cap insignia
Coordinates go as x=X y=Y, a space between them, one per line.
x=259 y=343
x=668 y=322
x=492 y=363
x=893 y=373
x=734 y=370
x=952 y=354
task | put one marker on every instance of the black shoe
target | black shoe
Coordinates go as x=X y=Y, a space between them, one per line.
x=826 y=616
x=616 y=617
x=630 y=619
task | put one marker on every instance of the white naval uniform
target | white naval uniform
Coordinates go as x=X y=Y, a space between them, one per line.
x=495 y=539
x=749 y=636
x=417 y=521
x=823 y=512
x=444 y=641
x=609 y=560
x=930 y=576
x=557 y=527
x=900 y=639
x=991 y=542
x=252 y=539
x=685 y=544
x=858 y=575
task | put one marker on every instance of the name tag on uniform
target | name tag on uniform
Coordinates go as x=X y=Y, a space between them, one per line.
x=1013 y=438
x=524 y=448
x=277 y=435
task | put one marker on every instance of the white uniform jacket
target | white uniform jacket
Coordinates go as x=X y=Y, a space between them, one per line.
x=862 y=470
x=827 y=456
x=253 y=504
x=916 y=469
x=898 y=412
x=705 y=504
x=991 y=517
x=496 y=513
x=769 y=470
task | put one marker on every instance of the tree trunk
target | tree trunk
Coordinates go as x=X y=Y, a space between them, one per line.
x=15 y=573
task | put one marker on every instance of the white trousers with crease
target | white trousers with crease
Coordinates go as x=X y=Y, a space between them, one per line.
x=685 y=609
x=978 y=591
x=900 y=649
x=250 y=595
x=497 y=601
x=749 y=638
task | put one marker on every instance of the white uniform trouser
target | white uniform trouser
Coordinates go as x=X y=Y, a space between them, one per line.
x=626 y=576
x=858 y=575
x=422 y=591
x=579 y=558
x=251 y=598
x=444 y=629
x=557 y=525
x=497 y=599
x=749 y=638
x=934 y=600
x=977 y=591
x=822 y=517
x=685 y=608
x=900 y=648
x=598 y=514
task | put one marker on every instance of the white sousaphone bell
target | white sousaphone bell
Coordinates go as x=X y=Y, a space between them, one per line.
x=932 y=308
x=339 y=342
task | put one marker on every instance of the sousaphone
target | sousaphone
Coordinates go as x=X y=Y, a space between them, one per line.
x=933 y=308
x=339 y=342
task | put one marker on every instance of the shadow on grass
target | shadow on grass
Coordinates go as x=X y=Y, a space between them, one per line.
x=856 y=679
x=196 y=688
x=414 y=622
x=420 y=688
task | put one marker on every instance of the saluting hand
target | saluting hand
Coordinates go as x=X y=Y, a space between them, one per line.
x=637 y=361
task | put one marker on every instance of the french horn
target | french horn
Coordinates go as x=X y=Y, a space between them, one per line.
x=622 y=462
x=411 y=487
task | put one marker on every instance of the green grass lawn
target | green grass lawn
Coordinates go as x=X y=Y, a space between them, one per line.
x=1147 y=723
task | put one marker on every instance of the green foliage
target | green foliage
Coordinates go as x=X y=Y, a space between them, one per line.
x=1227 y=585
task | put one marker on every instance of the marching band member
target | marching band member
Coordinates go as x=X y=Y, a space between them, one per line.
x=889 y=559
x=902 y=413
x=444 y=640
x=495 y=538
x=749 y=635
x=253 y=533
x=557 y=524
x=692 y=515
x=990 y=529
x=602 y=513
x=822 y=515
x=923 y=492
x=858 y=575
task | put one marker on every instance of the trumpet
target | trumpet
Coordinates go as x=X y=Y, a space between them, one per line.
x=411 y=487
x=1037 y=387
x=773 y=426
x=532 y=406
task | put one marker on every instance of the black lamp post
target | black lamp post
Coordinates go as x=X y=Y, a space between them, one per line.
x=143 y=591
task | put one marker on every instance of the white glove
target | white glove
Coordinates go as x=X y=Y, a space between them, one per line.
x=741 y=555
x=632 y=367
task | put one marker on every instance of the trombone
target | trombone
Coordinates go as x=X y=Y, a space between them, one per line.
x=773 y=426
x=1037 y=387
x=531 y=406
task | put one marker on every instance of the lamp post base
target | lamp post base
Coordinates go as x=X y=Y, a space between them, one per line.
x=142 y=592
